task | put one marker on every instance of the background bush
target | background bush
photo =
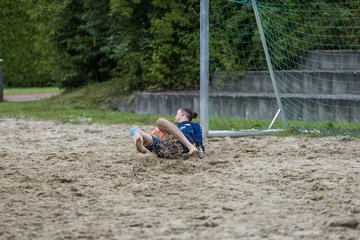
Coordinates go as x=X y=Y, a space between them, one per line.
x=22 y=62
x=136 y=44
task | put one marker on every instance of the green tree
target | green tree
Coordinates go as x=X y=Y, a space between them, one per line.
x=127 y=43
x=80 y=37
x=22 y=61
x=173 y=59
x=159 y=44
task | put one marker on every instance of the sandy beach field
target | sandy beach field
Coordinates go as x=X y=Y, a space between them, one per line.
x=80 y=181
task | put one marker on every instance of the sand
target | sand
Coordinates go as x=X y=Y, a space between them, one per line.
x=80 y=181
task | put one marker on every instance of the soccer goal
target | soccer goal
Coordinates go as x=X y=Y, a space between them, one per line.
x=272 y=65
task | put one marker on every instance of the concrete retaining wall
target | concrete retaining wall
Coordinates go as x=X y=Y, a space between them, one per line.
x=292 y=81
x=165 y=103
x=333 y=60
x=329 y=93
x=344 y=108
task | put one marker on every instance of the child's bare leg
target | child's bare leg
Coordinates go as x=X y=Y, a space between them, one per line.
x=171 y=129
x=140 y=139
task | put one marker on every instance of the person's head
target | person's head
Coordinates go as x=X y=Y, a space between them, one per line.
x=185 y=114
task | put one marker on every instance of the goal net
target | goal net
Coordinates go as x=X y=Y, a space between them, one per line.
x=284 y=64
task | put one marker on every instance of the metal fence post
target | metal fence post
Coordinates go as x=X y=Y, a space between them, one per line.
x=204 y=66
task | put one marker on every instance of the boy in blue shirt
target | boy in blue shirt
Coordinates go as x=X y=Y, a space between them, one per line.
x=185 y=138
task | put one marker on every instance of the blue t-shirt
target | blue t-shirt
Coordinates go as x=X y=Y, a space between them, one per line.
x=192 y=132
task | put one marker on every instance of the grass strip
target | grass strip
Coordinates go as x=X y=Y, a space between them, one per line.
x=92 y=104
x=42 y=110
x=52 y=90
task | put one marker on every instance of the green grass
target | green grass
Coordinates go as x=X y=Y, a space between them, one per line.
x=221 y=123
x=92 y=104
x=42 y=110
x=31 y=90
x=47 y=110
x=95 y=104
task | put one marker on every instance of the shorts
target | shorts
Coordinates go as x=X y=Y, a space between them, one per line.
x=168 y=148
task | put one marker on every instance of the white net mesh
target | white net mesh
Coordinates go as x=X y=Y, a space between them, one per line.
x=314 y=47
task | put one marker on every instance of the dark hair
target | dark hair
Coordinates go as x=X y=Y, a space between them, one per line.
x=190 y=113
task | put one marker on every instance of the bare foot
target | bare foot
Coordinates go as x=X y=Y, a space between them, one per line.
x=190 y=154
x=193 y=152
x=139 y=146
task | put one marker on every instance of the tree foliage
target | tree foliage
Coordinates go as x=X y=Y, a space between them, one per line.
x=141 y=44
x=81 y=31
x=157 y=42
x=22 y=62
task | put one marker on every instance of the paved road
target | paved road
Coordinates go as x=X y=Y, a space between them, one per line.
x=27 y=97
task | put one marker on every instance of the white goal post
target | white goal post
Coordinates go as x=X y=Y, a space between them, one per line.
x=270 y=66
x=204 y=79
